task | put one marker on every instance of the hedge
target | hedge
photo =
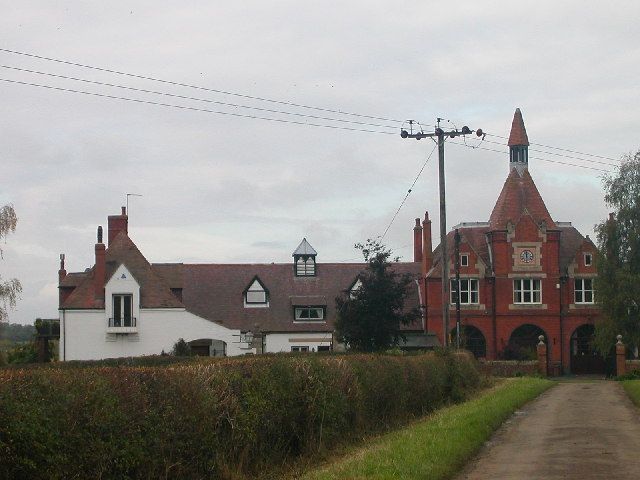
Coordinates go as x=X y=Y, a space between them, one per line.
x=224 y=419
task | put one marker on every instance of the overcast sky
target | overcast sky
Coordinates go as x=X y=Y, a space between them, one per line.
x=226 y=189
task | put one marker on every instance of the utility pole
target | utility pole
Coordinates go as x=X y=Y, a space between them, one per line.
x=439 y=137
x=457 y=285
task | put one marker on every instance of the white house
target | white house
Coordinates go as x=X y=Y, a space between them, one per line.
x=126 y=306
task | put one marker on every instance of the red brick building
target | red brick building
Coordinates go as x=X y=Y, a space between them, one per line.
x=522 y=274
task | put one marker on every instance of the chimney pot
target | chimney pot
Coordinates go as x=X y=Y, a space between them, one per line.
x=99 y=233
x=124 y=210
x=417 y=242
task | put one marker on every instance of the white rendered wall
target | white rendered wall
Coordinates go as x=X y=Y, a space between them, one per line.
x=84 y=334
x=282 y=342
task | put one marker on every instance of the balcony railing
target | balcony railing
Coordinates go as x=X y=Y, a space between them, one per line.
x=122 y=325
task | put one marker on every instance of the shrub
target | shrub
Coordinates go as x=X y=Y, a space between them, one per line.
x=218 y=418
x=181 y=349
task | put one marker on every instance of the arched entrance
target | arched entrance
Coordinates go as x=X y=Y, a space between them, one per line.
x=207 y=347
x=523 y=343
x=472 y=339
x=584 y=358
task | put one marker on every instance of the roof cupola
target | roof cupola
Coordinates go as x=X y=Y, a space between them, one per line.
x=518 y=144
x=304 y=260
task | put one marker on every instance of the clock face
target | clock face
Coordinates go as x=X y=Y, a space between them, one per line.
x=526 y=256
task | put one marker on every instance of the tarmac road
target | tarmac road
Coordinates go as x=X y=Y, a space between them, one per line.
x=576 y=430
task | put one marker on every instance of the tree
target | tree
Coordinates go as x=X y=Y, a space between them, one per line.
x=10 y=289
x=369 y=317
x=618 y=283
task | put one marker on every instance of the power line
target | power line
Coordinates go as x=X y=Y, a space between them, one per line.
x=195 y=109
x=559 y=148
x=562 y=155
x=408 y=193
x=197 y=87
x=186 y=97
x=264 y=99
x=535 y=158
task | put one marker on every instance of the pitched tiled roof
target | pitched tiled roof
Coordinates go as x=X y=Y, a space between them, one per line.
x=570 y=241
x=518 y=135
x=214 y=292
x=73 y=279
x=474 y=237
x=519 y=195
x=154 y=292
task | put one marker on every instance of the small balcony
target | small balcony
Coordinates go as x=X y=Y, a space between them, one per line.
x=122 y=325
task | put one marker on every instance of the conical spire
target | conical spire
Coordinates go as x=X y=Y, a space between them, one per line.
x=518 y=135
x=518 y=144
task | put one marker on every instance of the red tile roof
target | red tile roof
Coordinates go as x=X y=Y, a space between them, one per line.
x=518 y=135
x=519 y=196
x=215 y=291
x=154 y=292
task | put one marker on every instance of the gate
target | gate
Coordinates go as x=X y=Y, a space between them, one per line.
x=584 y=358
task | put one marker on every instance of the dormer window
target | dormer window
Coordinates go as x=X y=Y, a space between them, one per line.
x=122 y=312
x=464 y=260
x=357 y=285
x=304 y=260
x=256 y=295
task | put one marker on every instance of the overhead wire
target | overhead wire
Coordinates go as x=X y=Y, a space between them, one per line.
x=197 y=87
x=199 y=99
x=560 y=148
x=408 y=193
x=196 y=109
x=265 y=99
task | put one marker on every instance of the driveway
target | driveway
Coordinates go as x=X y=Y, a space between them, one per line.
x=576 y=430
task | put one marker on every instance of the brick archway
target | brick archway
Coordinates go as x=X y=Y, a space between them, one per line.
x=473 y=339
x=523 y=341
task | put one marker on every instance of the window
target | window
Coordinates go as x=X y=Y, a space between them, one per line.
x=588 y=259
x=122 y=312
x=256 y=293
x=526 y=290
x=309 y=314
x=468 y=291
x=583 y=290
x=305 y=267
x=302 y=348
x=356 y=286
x=324 y=348
x=464 y=260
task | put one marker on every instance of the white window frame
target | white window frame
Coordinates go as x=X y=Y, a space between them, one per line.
x=590 y=257
x=298 y=310
x=580 y=292
x=464 y=259
x=527 y=287
x=120 y=322
x=466 y=287
x=300 y=348
x=253 y=290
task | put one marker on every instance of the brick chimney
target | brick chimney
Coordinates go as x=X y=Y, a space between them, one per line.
x=417 y=241
x=117 y=224
x=427 y=254
x=99 y=269
x=62 y=273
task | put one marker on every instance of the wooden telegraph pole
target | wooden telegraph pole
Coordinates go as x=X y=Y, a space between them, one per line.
x=439 y=136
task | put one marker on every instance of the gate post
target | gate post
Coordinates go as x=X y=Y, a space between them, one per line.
x=542 y=357
x=621 y=356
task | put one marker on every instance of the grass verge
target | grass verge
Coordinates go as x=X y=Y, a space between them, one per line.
x=632 y=387
x=439 y=446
